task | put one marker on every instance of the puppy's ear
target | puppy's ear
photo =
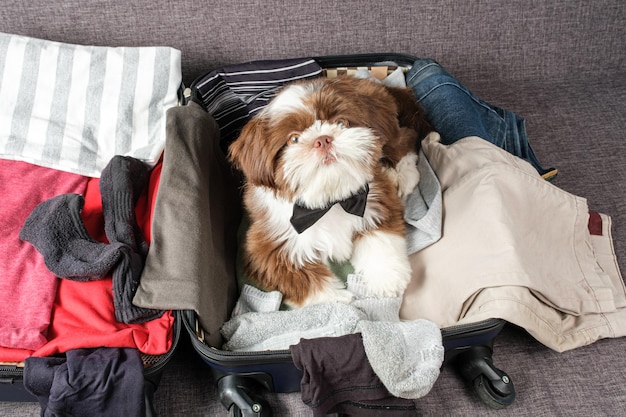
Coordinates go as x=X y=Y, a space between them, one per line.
x=410 y=113
x=251 y=153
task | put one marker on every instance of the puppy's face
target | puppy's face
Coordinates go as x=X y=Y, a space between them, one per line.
x=319 y=141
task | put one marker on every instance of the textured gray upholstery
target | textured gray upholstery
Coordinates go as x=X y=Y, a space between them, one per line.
x=559 y=64
x=488 y=39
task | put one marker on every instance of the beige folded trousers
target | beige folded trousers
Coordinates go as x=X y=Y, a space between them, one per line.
x=515 y=247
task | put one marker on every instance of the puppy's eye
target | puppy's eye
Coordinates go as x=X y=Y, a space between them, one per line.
x=343 y=123
x=294 y=138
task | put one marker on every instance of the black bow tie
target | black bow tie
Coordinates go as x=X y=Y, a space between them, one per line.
x=303 y=217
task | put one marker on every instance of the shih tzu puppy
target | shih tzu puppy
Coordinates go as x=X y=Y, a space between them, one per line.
x=327 y=163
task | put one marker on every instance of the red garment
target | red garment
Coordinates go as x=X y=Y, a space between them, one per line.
x=27 y=287
x=83 y=315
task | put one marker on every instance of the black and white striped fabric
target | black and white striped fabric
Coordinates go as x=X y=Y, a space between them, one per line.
x=233 y=94
x=73 y=107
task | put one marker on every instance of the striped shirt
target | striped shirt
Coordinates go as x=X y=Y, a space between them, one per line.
x=73 y=107
x=233 y=94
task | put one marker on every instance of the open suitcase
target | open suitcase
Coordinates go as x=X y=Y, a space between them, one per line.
x=240 y=375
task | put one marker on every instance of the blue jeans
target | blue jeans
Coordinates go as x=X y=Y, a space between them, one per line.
x=456 y=113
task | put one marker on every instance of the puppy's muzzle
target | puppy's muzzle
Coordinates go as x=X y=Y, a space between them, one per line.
x=323 y=142
x=324 y=145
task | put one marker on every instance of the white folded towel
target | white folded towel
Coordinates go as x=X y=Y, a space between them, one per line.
x=73 y=107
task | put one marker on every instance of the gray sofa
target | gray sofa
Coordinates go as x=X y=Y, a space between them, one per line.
x=560 y=64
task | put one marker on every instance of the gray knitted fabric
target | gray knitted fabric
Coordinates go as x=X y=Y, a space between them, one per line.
x=406 y=356
x=56 y=230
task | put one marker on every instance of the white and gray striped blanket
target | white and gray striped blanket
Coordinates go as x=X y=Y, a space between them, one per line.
x=73 y=107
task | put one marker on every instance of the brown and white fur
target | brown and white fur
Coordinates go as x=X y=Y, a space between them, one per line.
x=318 y=142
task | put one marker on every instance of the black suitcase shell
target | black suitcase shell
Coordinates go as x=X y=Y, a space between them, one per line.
x=240 y=375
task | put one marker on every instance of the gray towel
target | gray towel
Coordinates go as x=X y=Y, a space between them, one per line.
x=278 y=330
x=253 y=300
x=406 y=356
x=375 y=308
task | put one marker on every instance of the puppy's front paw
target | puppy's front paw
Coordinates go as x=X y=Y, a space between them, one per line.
x=408 y=175
x=332 y=291
x=339 y=295
x=384 y=282
x=383 y=265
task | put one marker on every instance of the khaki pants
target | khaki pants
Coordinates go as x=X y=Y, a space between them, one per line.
x=515 y=247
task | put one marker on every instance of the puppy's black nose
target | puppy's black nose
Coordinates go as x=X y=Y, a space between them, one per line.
x=323 y=141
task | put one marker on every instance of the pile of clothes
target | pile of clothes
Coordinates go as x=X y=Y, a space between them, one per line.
x=75 y=218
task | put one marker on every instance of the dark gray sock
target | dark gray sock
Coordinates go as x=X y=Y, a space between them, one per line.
x=57 y=231
x=121 y=183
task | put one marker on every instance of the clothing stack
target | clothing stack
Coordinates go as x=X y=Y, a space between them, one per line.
x=82 y=130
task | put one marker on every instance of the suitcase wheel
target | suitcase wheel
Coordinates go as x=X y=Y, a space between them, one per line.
x=237 y=395
x=235 y=411
x=491 y=396
x=493 y=386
